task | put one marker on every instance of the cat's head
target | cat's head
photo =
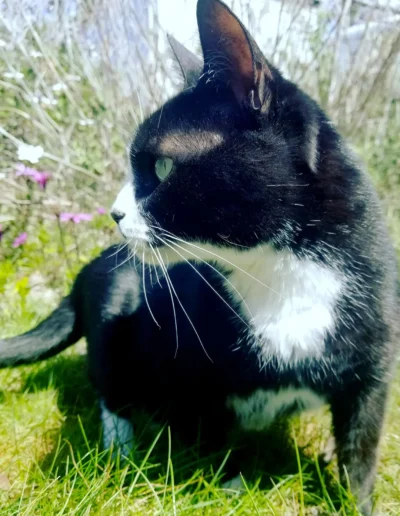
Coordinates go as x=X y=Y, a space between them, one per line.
x=229 y=163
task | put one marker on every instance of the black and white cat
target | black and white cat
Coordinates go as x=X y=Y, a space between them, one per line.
x=270 y=282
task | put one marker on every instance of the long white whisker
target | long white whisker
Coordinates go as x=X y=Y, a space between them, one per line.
x=183 y=309
x=223 y=259
x=135 y=254
x=151 y=273
x=145 y=293
x=120 y=247
x=130 y=256
x=155 y=269
x=206 y=281
x=172 y=301
x=217 y=271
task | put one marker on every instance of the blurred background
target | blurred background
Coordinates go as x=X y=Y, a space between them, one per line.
x=77 y=76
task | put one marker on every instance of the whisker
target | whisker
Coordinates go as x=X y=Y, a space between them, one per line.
x=233 y=243
x=223 y=259
x=145 y=293
x=150 y=272
x=204 y=279
x=130 y=256
x=217 y=271
x=155 y=269
x=183 y=309
x=120 y=247
x=135 y=255
x=172 y=301
x=288 y=184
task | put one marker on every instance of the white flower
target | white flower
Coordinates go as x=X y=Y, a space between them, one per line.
x=60 y=86
x=35 y=54
x=2 y=43
x=31 y=153
x=48 y=102
x=13 y=75
x=86 y=122
x=2 y=176
x=33 y=99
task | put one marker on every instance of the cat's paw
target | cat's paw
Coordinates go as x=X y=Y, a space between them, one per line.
x=117 y=434
x=234 y=484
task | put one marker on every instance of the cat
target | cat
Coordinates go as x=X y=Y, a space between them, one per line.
x=264 y=280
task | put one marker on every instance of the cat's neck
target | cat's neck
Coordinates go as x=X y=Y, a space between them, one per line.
x=289 y=302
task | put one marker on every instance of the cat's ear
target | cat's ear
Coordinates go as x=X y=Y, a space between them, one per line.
x=190 y=65
x=231 y=56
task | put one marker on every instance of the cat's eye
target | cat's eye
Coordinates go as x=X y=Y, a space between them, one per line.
x=163 y=167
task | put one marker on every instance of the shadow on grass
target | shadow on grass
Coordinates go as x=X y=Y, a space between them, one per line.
x=76 y=400
x=263 y=459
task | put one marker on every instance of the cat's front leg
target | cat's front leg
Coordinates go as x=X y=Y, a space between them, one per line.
x=357 y=418
x=118 y=433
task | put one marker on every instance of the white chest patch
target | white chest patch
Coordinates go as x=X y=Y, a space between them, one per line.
x=257 y=411
x=289 y=302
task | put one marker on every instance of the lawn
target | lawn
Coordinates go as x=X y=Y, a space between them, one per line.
x=51 y=460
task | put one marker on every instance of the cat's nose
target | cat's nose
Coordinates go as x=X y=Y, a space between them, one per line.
x=117 y=215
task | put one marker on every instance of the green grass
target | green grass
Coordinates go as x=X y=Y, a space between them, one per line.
x=51 y=461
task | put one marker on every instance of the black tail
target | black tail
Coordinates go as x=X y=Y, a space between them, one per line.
x=49 y=338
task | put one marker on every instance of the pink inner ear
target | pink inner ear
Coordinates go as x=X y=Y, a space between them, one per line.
x=232 y=41
x=236 y=42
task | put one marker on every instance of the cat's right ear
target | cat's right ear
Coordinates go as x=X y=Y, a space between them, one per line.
x=190 y=65
x=232 y=58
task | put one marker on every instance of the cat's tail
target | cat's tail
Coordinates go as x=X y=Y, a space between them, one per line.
x=50 y=337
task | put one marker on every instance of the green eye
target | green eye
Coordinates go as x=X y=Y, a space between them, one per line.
x=163 y=167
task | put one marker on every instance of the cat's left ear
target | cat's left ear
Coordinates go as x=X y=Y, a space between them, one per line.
x=190 y=65
x=232 y=57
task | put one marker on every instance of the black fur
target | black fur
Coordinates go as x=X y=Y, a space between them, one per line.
x=256 y=163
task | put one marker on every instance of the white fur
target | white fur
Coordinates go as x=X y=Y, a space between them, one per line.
x=291 y=306
x=257 y=411
x=117 y=432
x=289 y=302
x=133 y=225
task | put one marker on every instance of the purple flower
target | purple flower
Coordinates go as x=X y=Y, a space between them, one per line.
x=20 y=240
x=76 y=218
x=1 y=232
x=101 y=211
x=38 y=177
x=79 y=217
x=41 y=178
x=65 y=216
